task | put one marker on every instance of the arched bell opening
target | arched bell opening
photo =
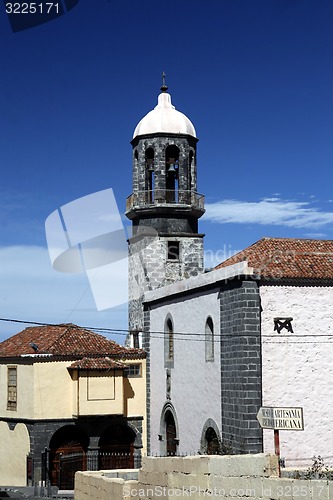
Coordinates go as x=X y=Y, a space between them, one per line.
x=149 y=174
x=171 y=173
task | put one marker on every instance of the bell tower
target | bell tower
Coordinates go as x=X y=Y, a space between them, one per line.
x=164 y=207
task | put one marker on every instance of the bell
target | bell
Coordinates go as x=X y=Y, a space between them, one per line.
x=172 y=168
x=150 y=168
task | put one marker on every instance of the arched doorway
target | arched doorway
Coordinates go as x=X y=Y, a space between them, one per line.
x=68 y=454
x=171 y=434
x=116 y=448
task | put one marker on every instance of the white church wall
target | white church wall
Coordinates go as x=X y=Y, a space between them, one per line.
x=195 y=382
x=298 y=368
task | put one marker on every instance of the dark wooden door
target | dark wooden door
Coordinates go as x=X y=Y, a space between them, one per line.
x=64 y=463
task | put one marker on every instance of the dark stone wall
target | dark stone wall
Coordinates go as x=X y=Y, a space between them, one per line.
x=146 y=347
x=168 y=223
x=149 y=268
x=241 y=367
x=41 y=433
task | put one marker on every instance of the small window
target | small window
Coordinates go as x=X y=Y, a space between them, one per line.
x=12 y=388
x=173 y=250
x=133 y=371
x=209 y=340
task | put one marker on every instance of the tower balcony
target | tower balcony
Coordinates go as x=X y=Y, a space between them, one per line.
x=165 y=200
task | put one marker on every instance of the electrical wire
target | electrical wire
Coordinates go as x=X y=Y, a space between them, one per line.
x=180 y=335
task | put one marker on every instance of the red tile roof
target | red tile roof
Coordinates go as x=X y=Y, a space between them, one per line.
x=65 y=341
x=289 y=258
x=97 y=364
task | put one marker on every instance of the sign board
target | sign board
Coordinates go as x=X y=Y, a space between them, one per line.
x=283 y=419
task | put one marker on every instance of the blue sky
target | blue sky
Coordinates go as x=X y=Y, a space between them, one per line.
x=254 y=76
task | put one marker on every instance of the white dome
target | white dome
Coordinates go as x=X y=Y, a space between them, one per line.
x=164 y=118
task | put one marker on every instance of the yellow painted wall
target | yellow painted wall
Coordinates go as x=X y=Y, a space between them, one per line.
x=14 y=448
x=25 y=392
x=44 y=390
x=53 y=390
x=48 y=390
x=100 y=393
x=135 y=397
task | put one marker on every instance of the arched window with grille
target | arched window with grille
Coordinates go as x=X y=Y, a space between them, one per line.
x=168 y=342
x=209 y=339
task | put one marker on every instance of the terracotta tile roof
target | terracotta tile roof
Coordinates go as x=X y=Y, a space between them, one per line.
x=97 y=364
x=289 y=258
x=65 y=341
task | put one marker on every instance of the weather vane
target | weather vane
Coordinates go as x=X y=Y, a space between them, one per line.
x=164 y=87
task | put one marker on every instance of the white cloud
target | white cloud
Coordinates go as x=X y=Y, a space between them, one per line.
x=31 y=290
x=269 y=211
x=315 y=235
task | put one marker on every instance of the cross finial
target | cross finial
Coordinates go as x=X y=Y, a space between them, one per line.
x=164 y=87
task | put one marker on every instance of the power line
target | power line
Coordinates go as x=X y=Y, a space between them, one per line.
x=273 y=339
x=61 y=324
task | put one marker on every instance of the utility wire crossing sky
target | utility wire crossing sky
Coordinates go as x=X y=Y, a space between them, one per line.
x=256 y=80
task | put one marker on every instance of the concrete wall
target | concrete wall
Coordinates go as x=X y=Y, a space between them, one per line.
x=15 y=446
x=195 y=392
x=298 y=368
x=226 y=477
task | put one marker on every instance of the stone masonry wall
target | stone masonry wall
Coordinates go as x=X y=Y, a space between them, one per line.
x=149 y=269
x=253 y=477
x=241 y=385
